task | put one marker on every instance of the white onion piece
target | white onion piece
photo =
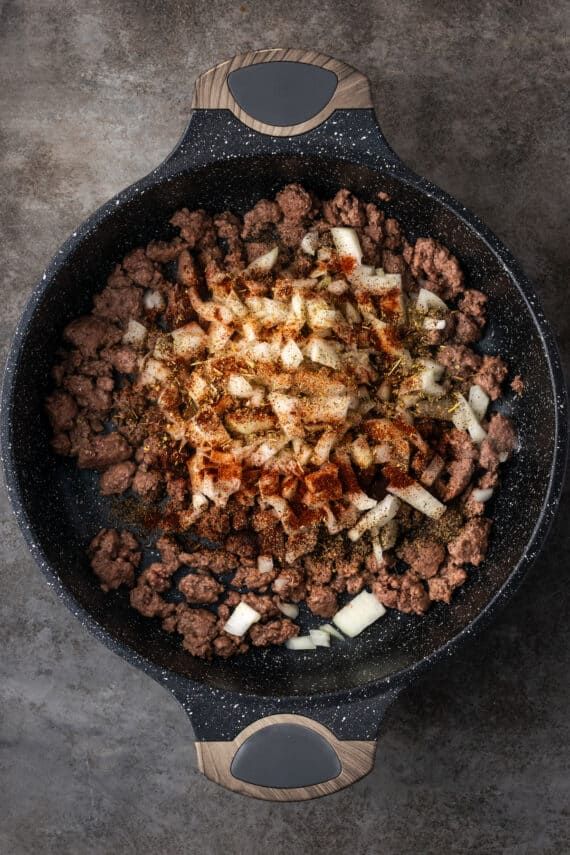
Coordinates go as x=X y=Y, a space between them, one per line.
x=331 y=408
x=377 y=550
x=257 y=398
x=330 y=630
x=269 y=312
x=288 y=412
x=361 y=501
x=199 y=501
x=291 y=355
x=323 y=447
x=347 y=243
x=478 y=401
x=359 y=613
x=361 y=452
x=427 y=300
x=430 y=374
x=482 y=495
x=239 y=387
x=267 y=450
x=433 y=324
x=290 y=610
x=263 y=351
x=310 y=243
x=154 y=371
x=188 y=341
x=153 y=300
x=320 y=638
x=378 y=516
x=337 y=287
x=389 y=534
x=301 y=642
x=265 y=262
x=320 y=316
x=135 y=334
x=319 y=350
x=419 y=498
x=218 y=336
x=240 y=620
x=264 y=563
x=503 y=456
x=464 y=418
x=375 y=283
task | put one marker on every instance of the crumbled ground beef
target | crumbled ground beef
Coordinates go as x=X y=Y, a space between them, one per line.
x=114 y=557
x=106 y=379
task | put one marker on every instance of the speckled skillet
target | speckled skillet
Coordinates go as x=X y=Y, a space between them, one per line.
x=276 y=724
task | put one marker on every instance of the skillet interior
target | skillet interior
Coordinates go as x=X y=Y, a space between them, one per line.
x=63 y=505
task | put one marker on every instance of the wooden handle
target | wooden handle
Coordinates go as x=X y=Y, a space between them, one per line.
x=285 y=747
x=352 y=90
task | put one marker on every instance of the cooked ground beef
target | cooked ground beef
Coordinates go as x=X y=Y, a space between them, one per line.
x=142 y=394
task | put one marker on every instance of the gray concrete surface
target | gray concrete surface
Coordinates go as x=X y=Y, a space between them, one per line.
x=94 y=757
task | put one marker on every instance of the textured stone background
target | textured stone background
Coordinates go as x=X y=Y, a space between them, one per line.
x=95 y=757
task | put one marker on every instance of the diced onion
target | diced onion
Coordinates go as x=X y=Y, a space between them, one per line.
x=375 y=283
x=320 y=316
x=154 y=371
x=419 y=498
x=199 y=501
x=330 y=630
x=135 y=334
x=291 y=355
x=430 y=374
x=361 y=453
x=478 y=401
x=359 y=613
x=319 y=350
x=267 y=450
x=377 y=550
x=320 y=638
x=427 y=300
x=189 y=340
x=290 y=610
x=269 y=312
x=239 y=387
x=378 y=516
x=337 y=287
x=464 y=418
x=310 y=242
x=323 y=447
x=264 y=563
x=347 y=243
x=265 y=262
x=480 y=495
x=288 y=412
x=153 y=300
x=240 y=620
x=301 y=642
x=433 y=324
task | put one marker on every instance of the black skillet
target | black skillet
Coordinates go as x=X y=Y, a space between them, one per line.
x=276 y=724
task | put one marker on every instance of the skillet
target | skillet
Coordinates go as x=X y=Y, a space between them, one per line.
x=276 y=724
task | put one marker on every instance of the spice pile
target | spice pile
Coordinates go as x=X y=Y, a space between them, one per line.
x=299 y=389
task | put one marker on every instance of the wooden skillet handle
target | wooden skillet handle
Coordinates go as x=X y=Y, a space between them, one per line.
x=286 y=758
x=297 y=92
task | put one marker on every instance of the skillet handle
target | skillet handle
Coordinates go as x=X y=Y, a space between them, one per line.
x=282 y=92
x=286 y=758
